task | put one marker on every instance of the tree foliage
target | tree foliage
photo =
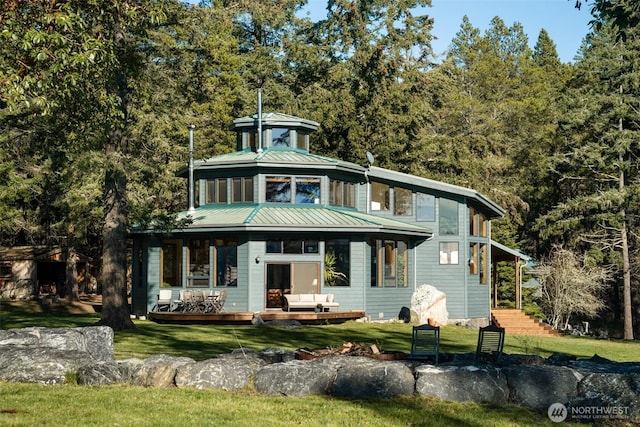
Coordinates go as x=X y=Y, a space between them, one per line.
x=95 y=100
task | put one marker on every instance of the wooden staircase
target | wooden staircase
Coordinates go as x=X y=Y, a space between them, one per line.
x=516 y=322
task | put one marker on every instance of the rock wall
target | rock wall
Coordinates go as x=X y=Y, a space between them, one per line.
x=53 y=356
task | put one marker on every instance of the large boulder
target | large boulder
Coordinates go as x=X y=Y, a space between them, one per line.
x=52 y=355
x=363 y=377
x=96 y=341
x=108 y=373
x=229 y=372
x=609 y=390
x=40 y=364
x=159 y=371
x=463 y=383
x=538 y=387
x=297 y=377
x=427 y=302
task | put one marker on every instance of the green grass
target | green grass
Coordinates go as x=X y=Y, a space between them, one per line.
x=72 y=405
x=67 y=405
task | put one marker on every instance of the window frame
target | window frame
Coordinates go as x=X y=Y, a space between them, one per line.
x=389 y=263
x=398 y=201
x=380 y=195
x=425 y=211
x=446 y=251
x=448 y=218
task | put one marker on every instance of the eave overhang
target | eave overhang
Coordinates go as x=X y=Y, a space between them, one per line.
x=276 y=218
x=272 y=158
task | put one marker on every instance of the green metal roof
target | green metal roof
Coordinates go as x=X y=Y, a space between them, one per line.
x=315 y=218
x=272 y=157
x=274 y=119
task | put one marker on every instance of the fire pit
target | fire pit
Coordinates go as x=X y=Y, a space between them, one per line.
x=350 y=349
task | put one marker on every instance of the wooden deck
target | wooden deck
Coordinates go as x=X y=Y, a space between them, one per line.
x=245 y=317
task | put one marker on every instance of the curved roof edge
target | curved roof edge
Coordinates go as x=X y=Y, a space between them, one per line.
x=271 y=217
x=440 y=186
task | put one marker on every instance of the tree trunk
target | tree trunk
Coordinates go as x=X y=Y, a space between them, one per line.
x=71 y=279
x=626 y=274
x=626 y=267
x=115 y=305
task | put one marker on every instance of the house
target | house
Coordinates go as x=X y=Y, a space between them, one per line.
x=26 y=271
x=272 y=218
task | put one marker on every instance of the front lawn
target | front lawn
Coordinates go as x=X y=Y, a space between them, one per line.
x=72 y=405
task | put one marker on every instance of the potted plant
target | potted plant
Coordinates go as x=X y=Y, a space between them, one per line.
x=331 y=273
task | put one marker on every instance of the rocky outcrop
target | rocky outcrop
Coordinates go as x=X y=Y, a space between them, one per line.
x=55 y=356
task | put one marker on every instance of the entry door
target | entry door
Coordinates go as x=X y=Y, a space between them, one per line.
x=293 y=278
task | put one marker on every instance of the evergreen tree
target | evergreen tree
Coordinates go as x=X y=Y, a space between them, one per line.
x=106 y=78
x=596 y=165
x=375 y=52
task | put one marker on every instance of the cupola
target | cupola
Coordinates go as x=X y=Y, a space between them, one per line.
x=278 y=131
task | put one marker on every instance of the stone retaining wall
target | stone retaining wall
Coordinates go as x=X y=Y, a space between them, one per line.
x=52 y=356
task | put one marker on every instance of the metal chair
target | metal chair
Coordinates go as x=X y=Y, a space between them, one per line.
x=425 y=342
x=185 y=301
x=198 y=302
x=218 y=304
x=164 y=300
x=490 y=343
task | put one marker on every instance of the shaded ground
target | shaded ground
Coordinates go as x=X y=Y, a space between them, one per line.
x=87 y=304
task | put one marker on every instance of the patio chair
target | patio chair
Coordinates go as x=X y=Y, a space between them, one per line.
x=198 y=303
x=218 y=303
x=490 y=343
x=425 y=342
x=164 y=301
x=184 y=301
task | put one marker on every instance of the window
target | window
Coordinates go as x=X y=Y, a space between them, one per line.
x=478 y=223
x=448 y=252
x=226 y=262
x=278 y=189
x=216 y=191
x=308 y=190
x=473 y=258
x=474 y=229
x=171 y=261
x=448 y=217
x=280 y=137
x=482 y=264
x=342 y=193
x=242 y=190
x=337 y=262
x=484 y=225
x=379 y=196
x=425 y=207
x=335 y=192
x=292 y=246
x=198 y=275
x=253 y=139
x=349 y=195
x=402 y=201
x=303 y=140
x=389 y=264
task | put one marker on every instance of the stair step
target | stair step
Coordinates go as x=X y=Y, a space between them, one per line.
x=518 y=323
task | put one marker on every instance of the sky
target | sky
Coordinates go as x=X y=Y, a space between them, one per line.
x=566 y=25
